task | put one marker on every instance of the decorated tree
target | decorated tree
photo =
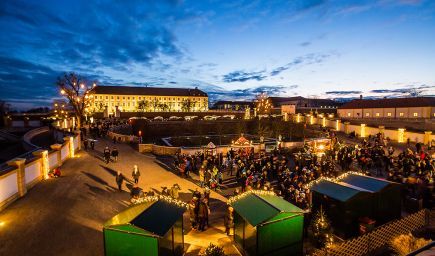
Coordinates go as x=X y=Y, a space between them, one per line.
x=321 y=228
x=75 y=89
x=263 y=104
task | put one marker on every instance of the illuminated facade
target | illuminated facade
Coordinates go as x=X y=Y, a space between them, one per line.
x=147 y=99
x=397 y=108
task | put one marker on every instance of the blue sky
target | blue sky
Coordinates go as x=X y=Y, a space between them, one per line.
x=231 y=49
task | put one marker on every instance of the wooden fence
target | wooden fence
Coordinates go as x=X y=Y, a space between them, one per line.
x=365 y=244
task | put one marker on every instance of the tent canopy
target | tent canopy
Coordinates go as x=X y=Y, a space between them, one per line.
x=366 y=182
x=152 y=218
x=210 y=145
x=242 y=142
x=339 y=191
x=260 y=208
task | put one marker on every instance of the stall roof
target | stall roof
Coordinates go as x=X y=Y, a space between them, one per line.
x=340 y=191
x=155 y=217
x=366 y=182
x=259 y=208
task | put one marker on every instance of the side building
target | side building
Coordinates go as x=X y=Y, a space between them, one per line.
x=304 y=105
x=147 y=99
x=417 y=107
x=233 y=105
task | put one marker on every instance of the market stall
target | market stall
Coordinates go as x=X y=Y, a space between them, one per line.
x=210 y=149
x=243 y=145
x=345 y=205
x=319 y=145
x=150 y=228
x=386 y=196
x=265 y=224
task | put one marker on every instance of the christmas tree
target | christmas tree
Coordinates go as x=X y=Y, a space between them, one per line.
x=321 y=228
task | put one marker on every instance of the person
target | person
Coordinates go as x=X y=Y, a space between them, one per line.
x=136 y=192
x=135 y=174
x=92 y=144
x=106 y=153
x=119 y=180
x=192 y=212
x=203 y=214
x=115 y=154
x=86 y=143
x=114 y=139
x=202 y=176
x=229 y=220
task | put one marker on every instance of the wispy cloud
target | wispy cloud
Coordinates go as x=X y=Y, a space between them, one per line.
x=243 y=76
x=343 y=92
x=309 y=59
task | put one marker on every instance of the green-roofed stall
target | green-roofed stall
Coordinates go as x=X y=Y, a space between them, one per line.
x=267 y=225
x=344 y=205
x=151 y=228
x=387 y=199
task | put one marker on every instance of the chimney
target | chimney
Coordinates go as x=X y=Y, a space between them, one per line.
x=360 y=97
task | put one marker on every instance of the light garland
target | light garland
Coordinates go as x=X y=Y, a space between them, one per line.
x=335 y=180
x=254 y=191
x=168 y=199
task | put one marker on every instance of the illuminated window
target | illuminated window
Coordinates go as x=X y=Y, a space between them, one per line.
x=377 y=114
x=367 y=114
x=348 y=114
x=389 y=114
x=401 y=114
x=415 y=114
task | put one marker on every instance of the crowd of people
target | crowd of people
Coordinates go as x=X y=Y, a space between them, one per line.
x=289 y=174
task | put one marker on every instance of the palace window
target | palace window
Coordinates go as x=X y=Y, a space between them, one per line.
x=401 y=114
x=377 y=114
x=389 y=114
x=367 y=114
x=415 y=114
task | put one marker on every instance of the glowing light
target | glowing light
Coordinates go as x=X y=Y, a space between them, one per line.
x=159 y=197
x=257 y=192
x=62 y=92
x=335 y=180
x=2 y=223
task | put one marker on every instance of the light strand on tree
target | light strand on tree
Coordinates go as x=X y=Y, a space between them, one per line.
x=168 y=199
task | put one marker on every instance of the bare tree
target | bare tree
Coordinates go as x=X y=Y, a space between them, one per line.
x=74 y=88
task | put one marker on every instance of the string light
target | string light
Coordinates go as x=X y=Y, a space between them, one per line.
x=254 y=191
x=168 y=199
x=335 y=180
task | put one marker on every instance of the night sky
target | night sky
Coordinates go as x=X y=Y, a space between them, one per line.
x=231 y=49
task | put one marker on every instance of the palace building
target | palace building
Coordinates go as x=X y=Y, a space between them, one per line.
x=418 y=107
x=147 y=99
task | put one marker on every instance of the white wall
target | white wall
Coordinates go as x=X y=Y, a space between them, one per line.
x=64 y=152
x=32 y=171
x=34 y=123
x=8 y=186
x=17 y=123
x=52 y=160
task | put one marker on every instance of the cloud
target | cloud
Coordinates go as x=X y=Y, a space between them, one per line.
x=118 y=34
x=343 y=92
x=242 y=76
x=305 y=44
x=309 y=59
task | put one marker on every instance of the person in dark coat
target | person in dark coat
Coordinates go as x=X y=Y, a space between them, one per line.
x=203 y=214
x=106 y=154
x=92 y=144
x=115 y=154
x=86 y=144
x=119 y=180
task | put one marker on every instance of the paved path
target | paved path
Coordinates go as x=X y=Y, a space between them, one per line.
x=65 y=216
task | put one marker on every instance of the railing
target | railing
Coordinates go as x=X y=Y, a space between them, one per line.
x=365 y=244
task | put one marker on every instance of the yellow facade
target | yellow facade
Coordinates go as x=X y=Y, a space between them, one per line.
x=147 y=103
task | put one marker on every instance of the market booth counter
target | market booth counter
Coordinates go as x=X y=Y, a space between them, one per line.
x=344 y=205
x=387 y=199
x=265 y=224
x=149 y=228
